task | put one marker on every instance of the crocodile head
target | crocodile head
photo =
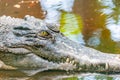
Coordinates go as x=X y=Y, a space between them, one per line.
x=31 y=35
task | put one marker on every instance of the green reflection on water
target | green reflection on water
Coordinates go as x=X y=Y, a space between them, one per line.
x=91 y=77
x=71 y=78
x=71 y=24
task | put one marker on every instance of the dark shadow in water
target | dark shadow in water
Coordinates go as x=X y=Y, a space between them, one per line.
x=54 y=75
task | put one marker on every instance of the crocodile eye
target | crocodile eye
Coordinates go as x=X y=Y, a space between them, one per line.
x=44 y=34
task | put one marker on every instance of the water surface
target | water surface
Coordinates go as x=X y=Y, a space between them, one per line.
x=96 y=16
x=92 y=18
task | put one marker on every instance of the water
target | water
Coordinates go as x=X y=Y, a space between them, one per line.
x=101 y=24
x=98 y=23
x=55 y=75
x=55 y=7
x=19 y=8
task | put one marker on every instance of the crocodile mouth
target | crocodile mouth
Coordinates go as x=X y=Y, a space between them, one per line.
x=45 y=54
x=44 y=45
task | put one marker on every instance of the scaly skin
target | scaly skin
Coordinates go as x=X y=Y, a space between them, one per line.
x=23 y=47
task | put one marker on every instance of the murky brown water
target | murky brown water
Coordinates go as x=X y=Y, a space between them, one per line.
x=94 y=22
x=20 y=8
x=94 y=30
x=95 y=33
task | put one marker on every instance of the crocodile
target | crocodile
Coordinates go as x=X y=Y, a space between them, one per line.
x=28 y=44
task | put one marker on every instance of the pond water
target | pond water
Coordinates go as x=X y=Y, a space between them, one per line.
x=55 y=75
x=97 y=26
x=97 y=15
x=96 y=21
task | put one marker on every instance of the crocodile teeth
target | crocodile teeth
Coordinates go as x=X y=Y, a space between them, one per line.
x=67 y=60
x=75 y=65
x=80 y=68
x=70 y=62
x=73 y=62
x=106 y=66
